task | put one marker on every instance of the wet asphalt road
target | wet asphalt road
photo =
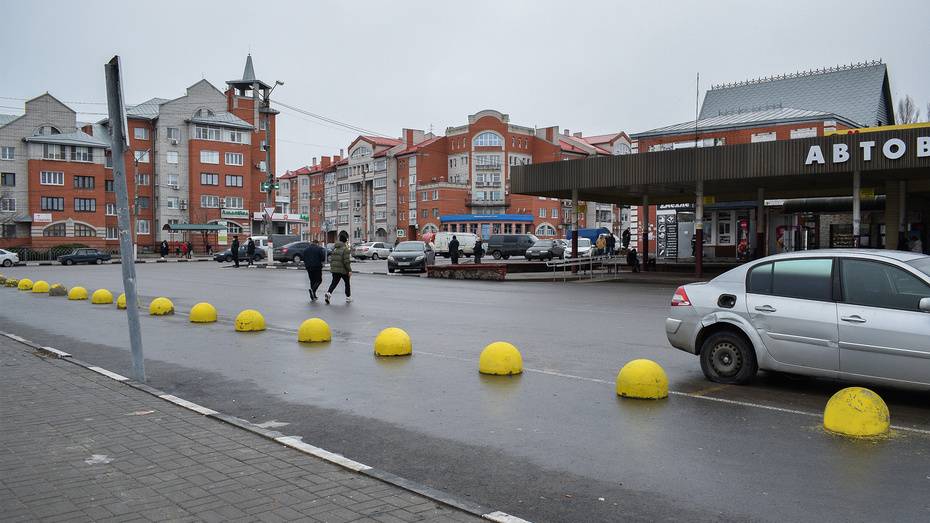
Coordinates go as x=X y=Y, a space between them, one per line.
x=554 y=444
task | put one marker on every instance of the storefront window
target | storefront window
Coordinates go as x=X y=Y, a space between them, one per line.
x=508 y=228
x=724 y=227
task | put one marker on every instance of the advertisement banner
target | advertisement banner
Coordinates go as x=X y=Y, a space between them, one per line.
x=222 y=236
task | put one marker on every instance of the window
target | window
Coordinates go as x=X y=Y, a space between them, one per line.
x=84 y=231
x=209 y=179
x=760 y=279
x=808 y=279
x=343 y=187
x=425 y=213
x=171 y=157
x=233 y=180
x=488 y=139
x=142 y=227
x=234 y=136
x=208 y=133
x=413 y=161
x=545 y=230
x=7 y=204
x=233 y=228
x=143 y=179
x=810 y=132
x=210 y=157
x=209 y=202
x=53 y=152
x=141 y=156
x=111 y=209
x=173 y=133
x=542 y=213
x=436 y=213
x=234 y=159
x=8 y=179
x=379 y=183
x=108 y=185
x=763 y=137
x=172 y=180
x=172 y=202
x=51 y=178
x=380 y=199
x=203 y=112
x=233 y=202
x=7 y=153
x=112 y=233
x=84 y=182
x=555 y=213
x=413 y=214
x=85 y=205
x=140 y=133
x=142 y=202
x=875 y=284
x=81 y=154
x=57 y=229
x=435 y=195
x=109 y=160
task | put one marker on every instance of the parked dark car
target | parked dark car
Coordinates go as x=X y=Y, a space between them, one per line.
x=84 y=256
x=292 y=252
x=545 y=250
x=413 y=255
x=226 y=256
x=507 y=245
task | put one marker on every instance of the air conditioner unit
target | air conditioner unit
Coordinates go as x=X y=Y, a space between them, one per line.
x=174 y=142
x=183 y=205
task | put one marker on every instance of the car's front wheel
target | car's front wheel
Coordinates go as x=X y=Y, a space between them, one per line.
x=98 y=261
x=297 y=259
x=7 y=263
x=68 y=262
x=728 y=358
x=496 y=255
x=375 y=256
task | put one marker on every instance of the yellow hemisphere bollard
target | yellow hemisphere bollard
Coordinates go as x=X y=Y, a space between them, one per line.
x=500 y=358
x=161 y=306
x=40 y=287
x=393 y=342
x=857 y=412
x=642 y=379
x=314 y=330
x=25 y=284
x=121 y=301
x=77 y=293
x=57 y=289
x=101 y=297
x=203 y=312
x=250 y=320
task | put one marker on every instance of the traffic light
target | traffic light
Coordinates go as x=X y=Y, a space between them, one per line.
x=268 y=186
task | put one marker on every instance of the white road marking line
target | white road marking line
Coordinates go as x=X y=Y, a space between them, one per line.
x=296 y=442
x=503 y=517
x=188 y=404
x=108 y=373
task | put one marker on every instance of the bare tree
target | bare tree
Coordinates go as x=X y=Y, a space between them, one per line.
x=908 y=112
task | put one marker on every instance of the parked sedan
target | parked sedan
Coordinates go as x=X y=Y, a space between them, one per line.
x=84 y=256
x=413 y=255
x=291 y=252
x=7 y=258
x=545 y=250
x=373 y=250
x=226 y=256
x=852 y=314
x=584 y=248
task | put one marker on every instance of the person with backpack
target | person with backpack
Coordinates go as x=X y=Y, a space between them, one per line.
x=340 y=265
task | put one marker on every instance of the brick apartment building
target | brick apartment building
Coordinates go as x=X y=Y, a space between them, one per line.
x=193 y=160
x=784 y=107
x=388 y=188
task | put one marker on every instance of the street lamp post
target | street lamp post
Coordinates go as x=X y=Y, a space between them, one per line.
x=270 y=180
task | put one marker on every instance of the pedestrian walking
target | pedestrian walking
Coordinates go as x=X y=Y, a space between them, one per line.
x=184 y=249
x=611 y=245
x=234 y=250
x=479 y=250
x=340 y=265
x=454 y=250
x=314 y=256
x=632 y=259
x=250 y=250
x=625 y=238
x=209 y=250
x=164 y=249
x=190 y=249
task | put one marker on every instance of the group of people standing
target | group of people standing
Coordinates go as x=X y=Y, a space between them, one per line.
x=454 y=250
x=181 y=250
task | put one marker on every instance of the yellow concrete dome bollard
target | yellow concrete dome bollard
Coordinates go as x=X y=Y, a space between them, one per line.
x=393 y=342
x=10 y=282
x=642 y=379
x=57 y=289
x=40 y=287
x=121 y=301
x=25 y=284
x=203 y=312
x=101 y=297
x=857 y=412
x=500 y=358
x=314 y=330
x=161 y=306
x=77 y=293
x=250 y=320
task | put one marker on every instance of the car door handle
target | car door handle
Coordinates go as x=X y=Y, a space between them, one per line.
x=855 y=318
x=765 y=308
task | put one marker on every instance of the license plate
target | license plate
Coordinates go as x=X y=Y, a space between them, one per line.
x=403 y=263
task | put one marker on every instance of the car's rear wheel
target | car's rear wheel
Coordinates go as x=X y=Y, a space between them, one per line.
x=375 y=256
x=297 y=259
x=228 y=258
x=728 y=358
x=98 y=261
x=7 y=263
x=390 y=270
x=496 y=255
x=68 y=262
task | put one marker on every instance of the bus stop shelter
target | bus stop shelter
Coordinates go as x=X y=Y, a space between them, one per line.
x=895 y=163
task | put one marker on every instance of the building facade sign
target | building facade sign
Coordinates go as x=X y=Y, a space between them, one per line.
x=892 y=149
x=234 y=213
x=40 y=217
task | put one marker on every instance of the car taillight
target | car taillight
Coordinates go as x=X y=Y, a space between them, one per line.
x=284 y=249
x=680 y=298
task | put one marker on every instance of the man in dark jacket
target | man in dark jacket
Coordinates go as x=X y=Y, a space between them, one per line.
x=625 y=238
x=234 y=250
x=190 y=249
x=250 y=250
x=479 y=250
x=454 y=250
x=611 y=244
x=314 y=256
x=340 y=265
x=164 y=248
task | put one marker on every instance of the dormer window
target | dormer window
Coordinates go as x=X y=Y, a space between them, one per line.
x=201 y=113
x=46 y=130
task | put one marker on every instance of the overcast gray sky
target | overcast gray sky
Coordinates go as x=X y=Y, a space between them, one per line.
x=591 y=66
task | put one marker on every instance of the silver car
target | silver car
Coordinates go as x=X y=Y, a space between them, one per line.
x=851 y=314
x=373 y=250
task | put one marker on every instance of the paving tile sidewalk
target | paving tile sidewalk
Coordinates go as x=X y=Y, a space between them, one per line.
x=78 y=446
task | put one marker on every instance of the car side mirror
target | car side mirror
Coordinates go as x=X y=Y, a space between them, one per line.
x=924 y=305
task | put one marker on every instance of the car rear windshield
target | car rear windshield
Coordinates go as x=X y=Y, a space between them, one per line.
x=584 y=242
x=921 y=264
x=409 y=246
x=543 y=243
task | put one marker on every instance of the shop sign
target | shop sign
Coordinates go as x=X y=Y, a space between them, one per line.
x=234 y=213
x=892 y=149
x=42 y=217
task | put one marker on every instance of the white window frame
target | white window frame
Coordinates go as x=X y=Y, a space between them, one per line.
x=172 y=133
x=233 y=202
x=114 y=235
x=234 y=159
x=81 y=154
x=763 y=137
x=234 y=136
x=140 y=156
x=51 y=178
x=210 y=157
x=172 y=177
x=172 y=202
x=142 y=179
x=140 y=133
x=212 y=179
x=209 y=201
x=143 y=227
x=5 y=205
x=807 y=132
x=235 y=178
x=110 y=209
x=172 y=157
x=7 y=153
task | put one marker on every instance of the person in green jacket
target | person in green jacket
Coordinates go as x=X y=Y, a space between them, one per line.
x=340 y=264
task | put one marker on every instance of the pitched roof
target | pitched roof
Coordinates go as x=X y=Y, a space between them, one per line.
x=7 y=118
x=571 y=145
x=147 y=109
x=422 y=145
x=747 y=119
x=225 y=119
x=859 y=93
x=601 y=138
x=380 y=140
x=77 y=138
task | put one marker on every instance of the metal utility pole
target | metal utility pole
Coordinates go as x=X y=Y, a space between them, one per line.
x=269 y=179
x=118 y=131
